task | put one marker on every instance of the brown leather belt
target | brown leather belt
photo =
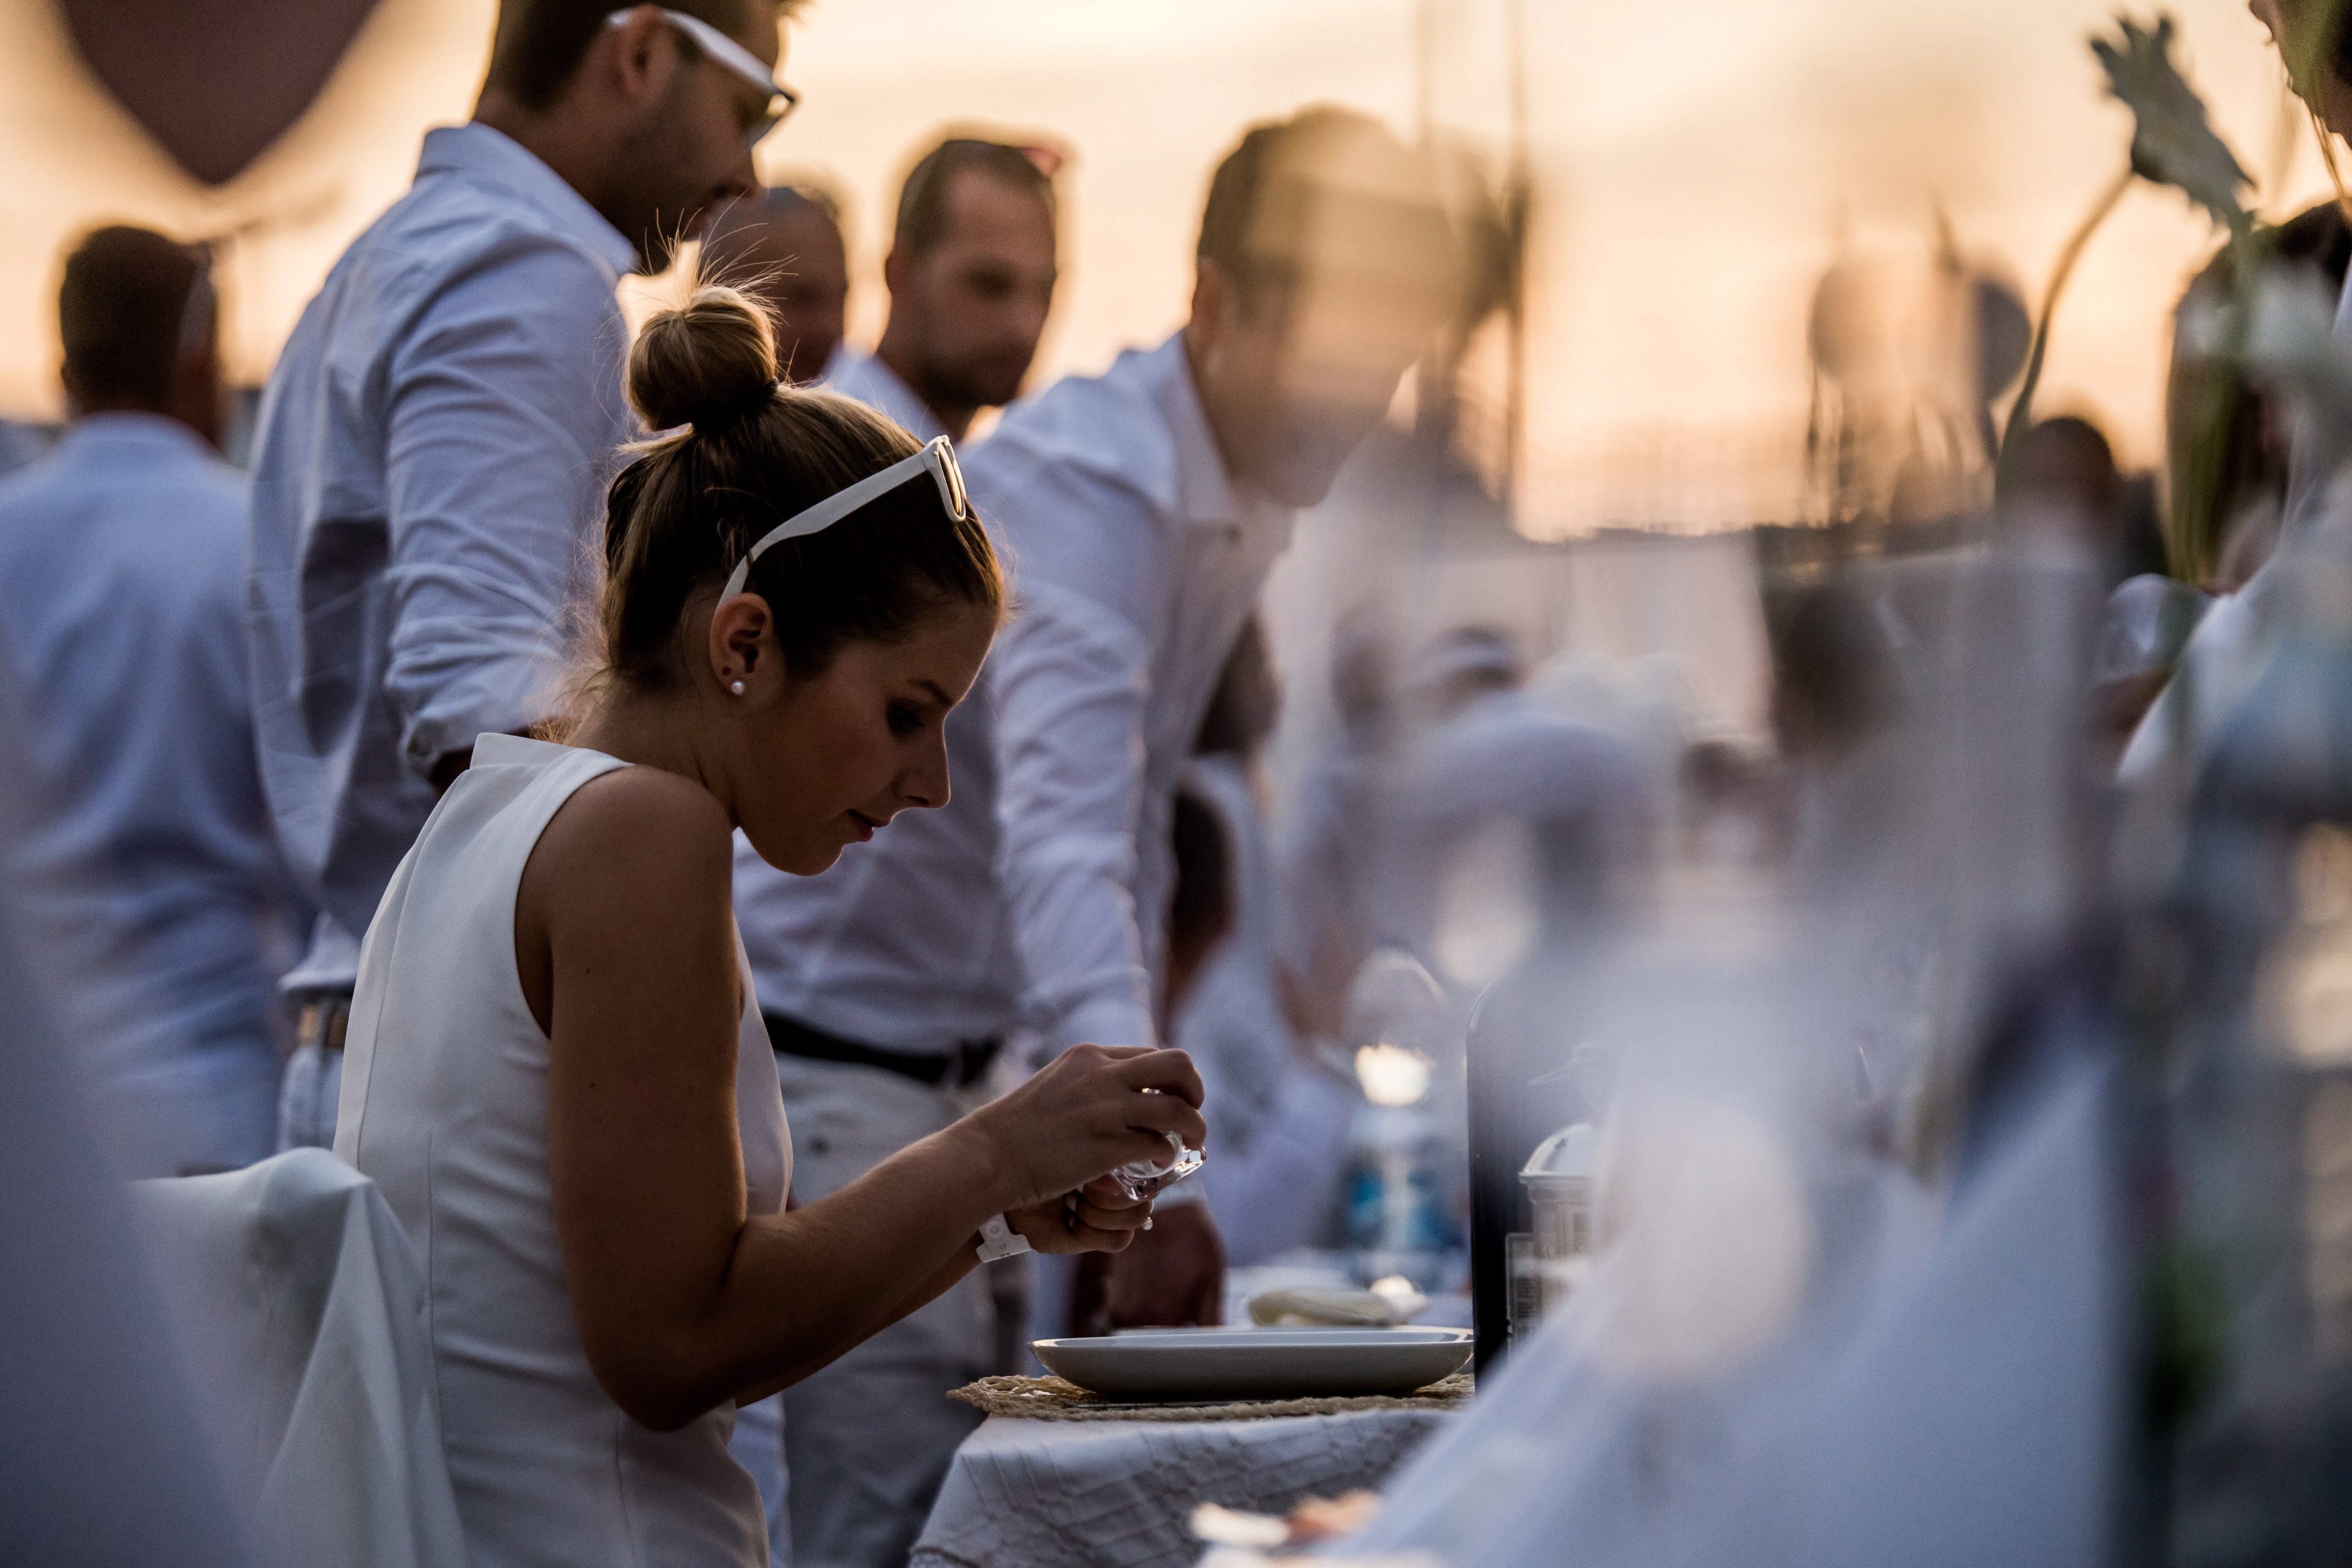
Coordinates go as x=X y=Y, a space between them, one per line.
x=322 y=1021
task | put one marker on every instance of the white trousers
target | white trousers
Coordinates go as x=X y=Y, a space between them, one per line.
x=867 y=1440
x=307 y=1098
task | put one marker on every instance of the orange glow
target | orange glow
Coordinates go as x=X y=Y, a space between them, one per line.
x=1697 y=162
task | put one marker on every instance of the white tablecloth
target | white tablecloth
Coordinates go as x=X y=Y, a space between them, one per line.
x=1117 y=1494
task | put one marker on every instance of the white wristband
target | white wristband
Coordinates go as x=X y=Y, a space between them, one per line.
x=998 y=1240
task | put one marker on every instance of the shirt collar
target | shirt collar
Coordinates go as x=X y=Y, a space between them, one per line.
x=867 y=376
x=1206 y=493
x=478 y=151
x=125 y=430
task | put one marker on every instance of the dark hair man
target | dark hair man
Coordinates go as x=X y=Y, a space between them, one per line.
x=785 y=248
x=432 y=441
x=147 y=850
x=1145 y=507
x=435 y=441
x=972 y=272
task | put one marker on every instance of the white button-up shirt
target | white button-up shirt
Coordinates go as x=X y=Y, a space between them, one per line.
x=1499 y=760
x=854 y=373
x=1136 y=563
x=427 y=480
x=147 y=854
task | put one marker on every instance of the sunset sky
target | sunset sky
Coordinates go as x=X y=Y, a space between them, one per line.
x=1698 y=163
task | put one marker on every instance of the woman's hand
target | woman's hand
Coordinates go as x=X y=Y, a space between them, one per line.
x=1098 y=1217
x=1089 y=1110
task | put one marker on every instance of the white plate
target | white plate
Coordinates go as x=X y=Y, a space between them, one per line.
x=1258 y=1364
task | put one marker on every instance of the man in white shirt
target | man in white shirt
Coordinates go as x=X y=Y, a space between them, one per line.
x=1143 y=509
x=434 y=448
x=971 y=271
x=785 y=248
x=147 y=858
x=436 y=438
x=972 y=274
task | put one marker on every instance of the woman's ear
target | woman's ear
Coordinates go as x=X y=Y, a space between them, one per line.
x=743 y=644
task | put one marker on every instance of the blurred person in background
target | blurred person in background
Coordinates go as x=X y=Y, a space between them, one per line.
x=1837 y=694
x=1324 y=933
x=2069 y=490
x=1279 y=1121
x=784 y=249
x=972 y=269
x=972 y=274
x=104 y=1458
x=2229 y=648
x=1487 y=756
x=1231 y=1021
x=148 y=855
x=1508 y=838
x=2228 y=454
x=1204 y=918
x=436 y=433
x=1144 y=509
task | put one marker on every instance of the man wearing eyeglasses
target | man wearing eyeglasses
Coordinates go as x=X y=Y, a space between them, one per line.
x=434 y=444
x=433 y=441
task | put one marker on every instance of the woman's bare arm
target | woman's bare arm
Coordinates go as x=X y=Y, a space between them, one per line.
x=626 y=947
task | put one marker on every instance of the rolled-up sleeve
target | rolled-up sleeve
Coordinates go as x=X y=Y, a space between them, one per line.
x=504 y=409
x=1070 y=679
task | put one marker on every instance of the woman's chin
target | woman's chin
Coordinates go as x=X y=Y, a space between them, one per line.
x=801 y=859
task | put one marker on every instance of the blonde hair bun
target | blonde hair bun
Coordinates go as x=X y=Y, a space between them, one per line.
x=712 y=360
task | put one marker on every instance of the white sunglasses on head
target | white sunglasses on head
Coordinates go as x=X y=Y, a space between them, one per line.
x=938 y=459
x=737 y=59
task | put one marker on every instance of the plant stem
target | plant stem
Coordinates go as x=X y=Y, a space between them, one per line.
x=2021 y=412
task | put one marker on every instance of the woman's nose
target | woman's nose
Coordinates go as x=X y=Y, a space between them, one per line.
x=925 y=784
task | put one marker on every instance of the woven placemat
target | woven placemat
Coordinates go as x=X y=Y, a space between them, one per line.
x=1054 y=1399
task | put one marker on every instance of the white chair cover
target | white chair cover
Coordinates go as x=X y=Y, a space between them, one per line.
x=300 y=1311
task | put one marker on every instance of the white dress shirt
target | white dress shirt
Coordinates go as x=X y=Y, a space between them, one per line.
x=147 y=855
x=1582 y=793
x=427 y=475
x=860 y=952
x=1136 y=563
x=854 y=373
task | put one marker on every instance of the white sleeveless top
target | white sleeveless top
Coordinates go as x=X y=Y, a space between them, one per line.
x=444 y=1106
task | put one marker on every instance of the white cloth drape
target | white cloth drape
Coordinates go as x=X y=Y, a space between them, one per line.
x=299 y=1312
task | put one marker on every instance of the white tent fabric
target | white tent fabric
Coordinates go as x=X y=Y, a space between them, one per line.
x=299 y=1312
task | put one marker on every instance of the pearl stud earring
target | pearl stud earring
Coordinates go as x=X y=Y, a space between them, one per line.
x=736 y=687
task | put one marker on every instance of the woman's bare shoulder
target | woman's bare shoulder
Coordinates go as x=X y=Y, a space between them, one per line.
x=641 y=835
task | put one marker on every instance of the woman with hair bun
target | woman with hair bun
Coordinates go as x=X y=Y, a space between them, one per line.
x=556 y=1070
